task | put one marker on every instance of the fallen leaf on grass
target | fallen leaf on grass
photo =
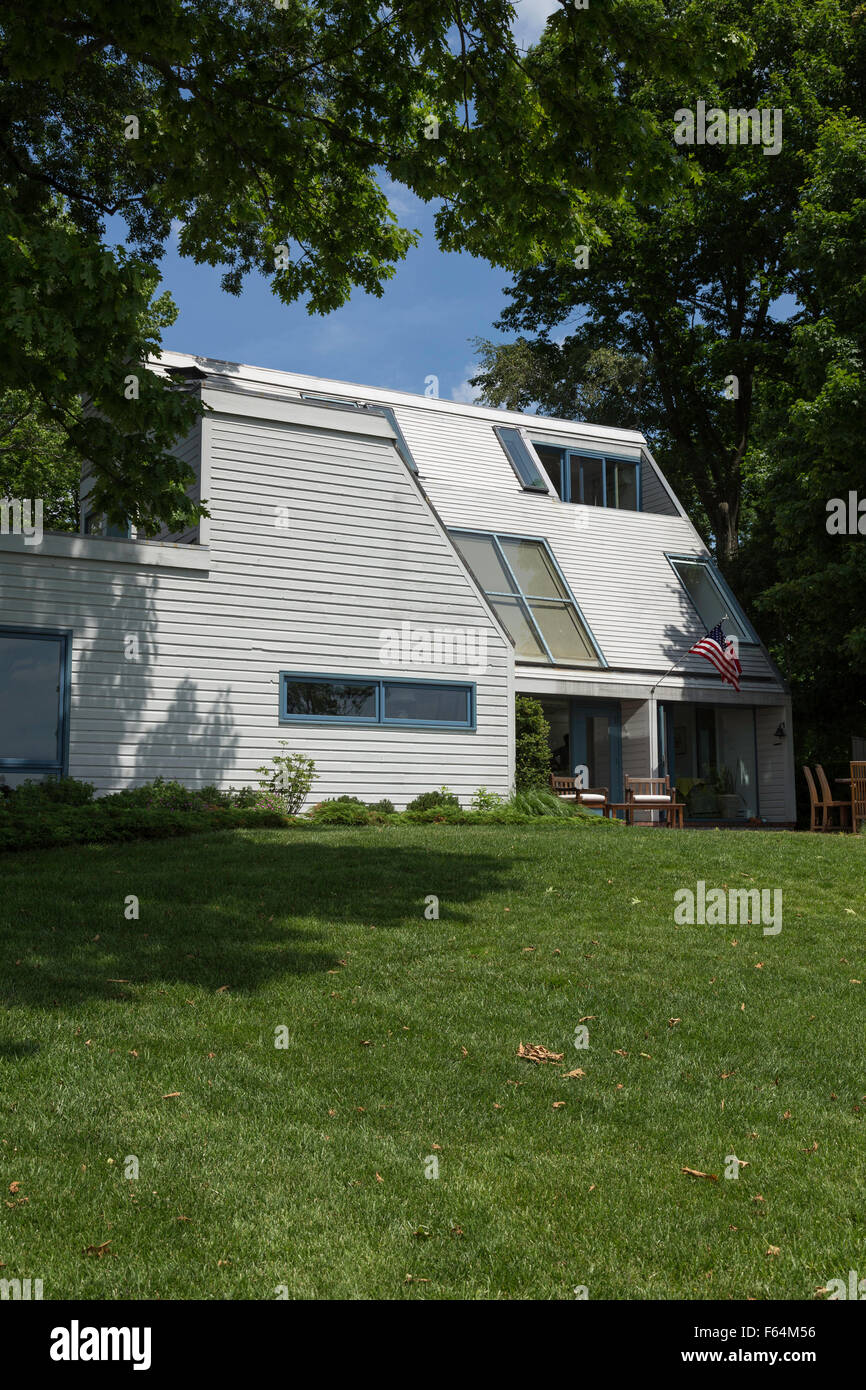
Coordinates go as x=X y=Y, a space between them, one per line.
x=558 y=1104
x=672 y=1021
x=379 y=1177
x=773 y=1250
x=586 y=1018
x=222 y=989
x=413 y=1278
x=99 y=1250
x=619 y=1052
x=14 y=1186
x=172 y=1095
x=536 y=1053
x=578 y=1071
x=696 y=1173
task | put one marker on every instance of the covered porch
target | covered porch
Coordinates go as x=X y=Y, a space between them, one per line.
x=729 y=760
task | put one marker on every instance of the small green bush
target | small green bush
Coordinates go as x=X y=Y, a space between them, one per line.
x=385 y=807
x=532 y=748
x=341 y=812
x=483 y=800
x=291 y=777
x=429 y=800
x=65 y=791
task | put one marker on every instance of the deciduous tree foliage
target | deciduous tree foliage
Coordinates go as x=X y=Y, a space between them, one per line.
x=677 y=321
x=808 y=582
x=264 y=131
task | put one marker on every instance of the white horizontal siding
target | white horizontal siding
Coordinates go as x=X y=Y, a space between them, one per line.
x=614 y=561
x=776 y=796
x=362 y=553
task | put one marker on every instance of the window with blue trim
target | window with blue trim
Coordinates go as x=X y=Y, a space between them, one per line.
x=524 y=585
x=34 y=693
x=594 y=480
x=376 y=700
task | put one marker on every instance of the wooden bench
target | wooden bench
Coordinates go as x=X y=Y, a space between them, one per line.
x=593 y=798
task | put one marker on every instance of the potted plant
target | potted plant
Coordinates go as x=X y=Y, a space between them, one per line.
x=701 y=801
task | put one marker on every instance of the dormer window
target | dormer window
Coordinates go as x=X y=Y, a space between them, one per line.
x=595 y=480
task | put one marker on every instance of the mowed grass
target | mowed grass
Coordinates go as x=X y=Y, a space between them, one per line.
x=304 y=1167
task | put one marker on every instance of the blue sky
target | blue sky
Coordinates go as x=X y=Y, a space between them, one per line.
x=422 y=325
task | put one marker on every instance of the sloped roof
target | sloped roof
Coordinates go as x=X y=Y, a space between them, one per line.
x=614 y=561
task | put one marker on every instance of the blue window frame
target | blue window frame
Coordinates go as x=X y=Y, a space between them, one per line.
x=34 y=703
x=527 y=590
x=711 y=597
x=519 y=452
x=596 y=480
x=311 y=697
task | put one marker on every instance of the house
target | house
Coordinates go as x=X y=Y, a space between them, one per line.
x=380 y=573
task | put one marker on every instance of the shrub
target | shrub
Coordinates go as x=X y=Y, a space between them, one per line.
x=291 y=777
x=483 y=800
x=66 y=791
x=539 y=801
x=429 y=800
x=385 y=807
x=341 y=812
x=449 y=812
x=245 y=796
x=532 y=749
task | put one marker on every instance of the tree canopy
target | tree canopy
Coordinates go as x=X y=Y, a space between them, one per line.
x=688 y=303
x=265 y=133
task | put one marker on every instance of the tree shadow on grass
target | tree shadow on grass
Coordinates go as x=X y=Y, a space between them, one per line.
x=220 y=910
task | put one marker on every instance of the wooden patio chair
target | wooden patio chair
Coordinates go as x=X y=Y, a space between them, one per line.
x=831 y=804
x=816 y=805
x=655 y=794
x=858 y=794
x=591 y=797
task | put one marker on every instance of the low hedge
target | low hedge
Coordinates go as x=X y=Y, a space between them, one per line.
x=94 y=823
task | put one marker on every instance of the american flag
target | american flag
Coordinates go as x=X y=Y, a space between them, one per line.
x=721 y=651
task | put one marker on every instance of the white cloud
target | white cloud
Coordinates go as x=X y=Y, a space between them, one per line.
x=532 y=15
x=466 y=393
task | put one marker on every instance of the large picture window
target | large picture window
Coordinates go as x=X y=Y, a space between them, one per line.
x=376 y=700
x=34 y=693
x=523 y=584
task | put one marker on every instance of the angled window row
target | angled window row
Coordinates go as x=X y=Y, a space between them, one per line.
x=529 y=595
x=376 y=700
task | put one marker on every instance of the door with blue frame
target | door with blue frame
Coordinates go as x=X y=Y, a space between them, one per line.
x=596 y=743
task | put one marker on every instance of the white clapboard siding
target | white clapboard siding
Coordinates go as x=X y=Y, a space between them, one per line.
x=362 y=553
x=613 y=561
x=775 y=757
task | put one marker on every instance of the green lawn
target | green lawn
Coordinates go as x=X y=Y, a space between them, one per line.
x=305 y=1166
